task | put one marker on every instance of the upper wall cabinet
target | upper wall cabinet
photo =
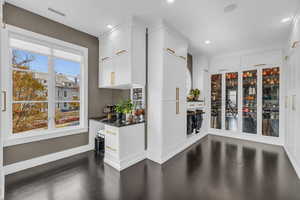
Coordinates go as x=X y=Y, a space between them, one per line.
x=123 y=56
x=295 y=35
x=262 y=59
x=175 y=44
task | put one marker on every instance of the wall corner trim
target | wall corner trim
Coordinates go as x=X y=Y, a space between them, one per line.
x=293 y=161
x=19 y=166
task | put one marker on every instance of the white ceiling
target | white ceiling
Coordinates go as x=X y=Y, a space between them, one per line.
x=254 y=24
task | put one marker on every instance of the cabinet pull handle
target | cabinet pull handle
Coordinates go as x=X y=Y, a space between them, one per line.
x=294 y=45
x=286 y=102
x=177 y=94
x=293 y=103
x=120 y=52
x=260 y=65
x=4 y=101
x=110 y=148
x=170 y=50
x=112 y=78
x=105 y=58
x=110 y=132
x=177 y=101
x=177 y=108
x=184 y=58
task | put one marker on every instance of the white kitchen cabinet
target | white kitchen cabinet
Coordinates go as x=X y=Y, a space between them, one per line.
x=167 y=129
x=292 y=106
x=122 y=55
x=174 y=125
x=261 y=59
x=174 y=73
x=122 y=68
x=124 y=146
x=107 y=72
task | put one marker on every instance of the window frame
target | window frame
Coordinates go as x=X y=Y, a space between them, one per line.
x=7 y=85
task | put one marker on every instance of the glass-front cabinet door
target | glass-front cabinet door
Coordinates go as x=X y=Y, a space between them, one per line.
x=231 y=101
x=249 y=102
x=270 y=101
x=216 y=101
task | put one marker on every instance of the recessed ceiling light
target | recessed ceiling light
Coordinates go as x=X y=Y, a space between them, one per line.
x=285 y=20
x=230 y=8
x=207 y=42
x=109 y=26
x=170 y=1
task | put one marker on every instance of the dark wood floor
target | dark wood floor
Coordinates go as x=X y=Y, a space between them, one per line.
x=216 y=168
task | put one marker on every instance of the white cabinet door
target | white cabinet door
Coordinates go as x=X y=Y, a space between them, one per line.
x=174 y=77
x=106 y=73
x=111 y=141
x=123 y=68
x=121 y=38
x=173 y=123
x=181 y=78
x=105 y=48
x=173 y=42
x=268 y=58
x=170 y=77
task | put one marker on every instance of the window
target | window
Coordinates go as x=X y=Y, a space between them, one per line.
x=38 y=72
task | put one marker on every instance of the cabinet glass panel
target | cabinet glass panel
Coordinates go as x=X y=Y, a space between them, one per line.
x=270 y=102
x=216 y=101
x=250 y=101
x=231 y=109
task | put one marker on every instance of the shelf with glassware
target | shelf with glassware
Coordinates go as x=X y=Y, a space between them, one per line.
x=258 y=104
x=231 y=101
x=250 y=101
x=216 y=101
x=270 y=101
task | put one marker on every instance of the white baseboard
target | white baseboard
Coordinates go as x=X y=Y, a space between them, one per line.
x=248 y=137
x=293 y=161
x=127 y=162
x=181 y=147
x=19 y=166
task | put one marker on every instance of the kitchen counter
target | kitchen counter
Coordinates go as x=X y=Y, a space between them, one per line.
x=115 y=123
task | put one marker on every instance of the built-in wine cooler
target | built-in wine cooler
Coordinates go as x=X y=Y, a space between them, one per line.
x=247 y=102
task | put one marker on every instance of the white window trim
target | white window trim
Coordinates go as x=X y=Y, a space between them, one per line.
x=31 y=136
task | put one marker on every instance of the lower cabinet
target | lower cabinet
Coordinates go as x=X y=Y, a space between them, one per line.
x=124 y=146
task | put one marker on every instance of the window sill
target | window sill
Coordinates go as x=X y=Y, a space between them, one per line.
x=11 y=141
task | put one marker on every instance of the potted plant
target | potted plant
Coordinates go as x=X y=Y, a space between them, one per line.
x=190 y=97
x=196 y=94
x=119 y=108
x=128 y=108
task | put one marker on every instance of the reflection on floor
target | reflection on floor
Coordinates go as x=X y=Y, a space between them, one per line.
x=216 y=168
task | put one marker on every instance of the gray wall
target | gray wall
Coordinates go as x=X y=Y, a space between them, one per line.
x=97 y=97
